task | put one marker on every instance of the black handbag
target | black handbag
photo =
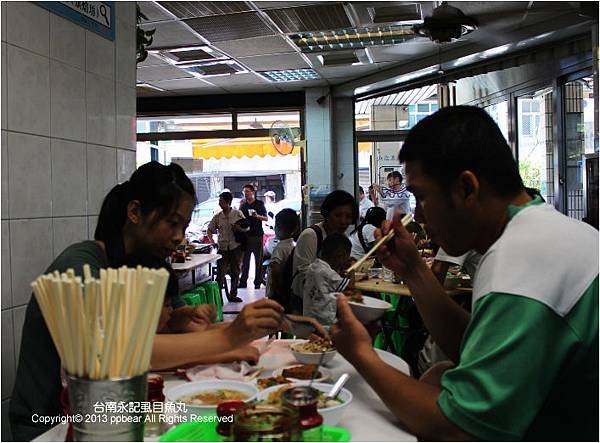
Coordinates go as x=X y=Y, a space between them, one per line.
x=241 y=236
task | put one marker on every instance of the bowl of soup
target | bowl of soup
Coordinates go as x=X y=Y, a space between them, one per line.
x=202 y=397
x=331 y=410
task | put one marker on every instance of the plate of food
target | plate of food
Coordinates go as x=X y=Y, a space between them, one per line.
x=268 y=382
x=331 y=410
x=303 y=373
x=367 y=309
x=202 y=397
x=309 y=352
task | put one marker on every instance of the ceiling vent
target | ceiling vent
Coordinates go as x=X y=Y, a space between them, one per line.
x=203 y=9
x=339 y=58
x=310 y=18
x=409 y=14
x=191 y=54
x=225 y=67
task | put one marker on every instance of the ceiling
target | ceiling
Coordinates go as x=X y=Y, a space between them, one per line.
x=235 y=42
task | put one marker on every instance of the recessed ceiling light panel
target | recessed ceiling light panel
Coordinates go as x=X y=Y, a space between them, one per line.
x=290 y=75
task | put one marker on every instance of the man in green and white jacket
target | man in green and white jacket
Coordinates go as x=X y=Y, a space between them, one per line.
x=525 y=361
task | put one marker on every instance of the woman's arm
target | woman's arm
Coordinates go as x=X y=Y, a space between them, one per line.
x=256 y=320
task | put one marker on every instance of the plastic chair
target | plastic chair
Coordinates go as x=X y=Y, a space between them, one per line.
x=213 y=296
x=394 y=324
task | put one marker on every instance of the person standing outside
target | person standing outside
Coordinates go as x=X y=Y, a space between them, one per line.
x=393 y=198
x=271 y=207
x=230 y=249
x=256 y=213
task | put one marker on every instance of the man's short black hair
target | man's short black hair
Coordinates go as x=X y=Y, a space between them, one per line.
x=336 y=244
x=287 y=219
x=463 y=138
x=395 y=174
x=249 y=186
x=226 y=196
x=361 y=190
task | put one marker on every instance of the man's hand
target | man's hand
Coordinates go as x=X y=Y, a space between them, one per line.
x=399 y=254
x=349 y=335
x=255 y=321
x=320 y=331
x=204 y=314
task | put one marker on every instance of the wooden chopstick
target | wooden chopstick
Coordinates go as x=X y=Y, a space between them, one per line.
x=405 y=221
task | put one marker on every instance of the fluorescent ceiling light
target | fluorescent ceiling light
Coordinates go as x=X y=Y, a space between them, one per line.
x=352 y=38
x=290 y=75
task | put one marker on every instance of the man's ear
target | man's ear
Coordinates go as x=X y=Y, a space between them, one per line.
x=134 y=211
x=468 y=187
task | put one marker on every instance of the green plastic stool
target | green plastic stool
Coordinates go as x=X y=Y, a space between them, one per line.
x=213 y=296
x=191 y=298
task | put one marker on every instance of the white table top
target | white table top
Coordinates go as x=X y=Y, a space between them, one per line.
x=367 y=418
x=196 y=261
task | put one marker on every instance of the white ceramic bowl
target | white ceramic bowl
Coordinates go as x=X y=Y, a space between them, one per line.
x=191 y=388
x=312 y=358
x=332 y=415
x=370 y=310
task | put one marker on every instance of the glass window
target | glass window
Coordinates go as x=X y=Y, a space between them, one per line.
x=401 y=110
x=579 y=133
x=499 y=112
x=264 y=120
x=184 y=123
x=534 y=139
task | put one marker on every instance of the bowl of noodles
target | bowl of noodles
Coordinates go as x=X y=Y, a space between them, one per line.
x=202 y=397
x=313 y=352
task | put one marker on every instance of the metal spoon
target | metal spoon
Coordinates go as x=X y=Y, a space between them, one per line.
x=337 y=387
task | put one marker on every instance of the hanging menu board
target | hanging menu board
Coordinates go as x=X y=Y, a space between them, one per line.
x=98 y=17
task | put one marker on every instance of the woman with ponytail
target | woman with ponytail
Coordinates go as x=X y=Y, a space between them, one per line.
x=141 y=222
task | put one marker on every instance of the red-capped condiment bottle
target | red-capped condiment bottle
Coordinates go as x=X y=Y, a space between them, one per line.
x=225 y=413
x=153 y=426
x=304 y=401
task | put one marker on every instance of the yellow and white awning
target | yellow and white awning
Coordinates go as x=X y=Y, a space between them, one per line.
x=240 y=147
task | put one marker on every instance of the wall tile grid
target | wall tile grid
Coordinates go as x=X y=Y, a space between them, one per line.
x=68 y=136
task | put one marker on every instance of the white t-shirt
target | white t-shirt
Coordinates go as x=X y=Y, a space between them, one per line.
x=363 y=207
x=304 y=254
x=390 y=199
x=280 y=255
x=368 y=232
x=469 y=261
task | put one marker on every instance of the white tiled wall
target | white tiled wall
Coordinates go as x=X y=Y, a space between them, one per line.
x=68 y=136
x=343 y=143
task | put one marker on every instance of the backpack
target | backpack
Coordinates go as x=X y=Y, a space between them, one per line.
x=288 y=271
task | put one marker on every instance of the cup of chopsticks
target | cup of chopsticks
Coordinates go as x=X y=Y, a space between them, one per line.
x=103 y=330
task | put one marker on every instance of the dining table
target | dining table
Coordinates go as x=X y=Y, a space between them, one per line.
x=366 y=417
x=195 y=261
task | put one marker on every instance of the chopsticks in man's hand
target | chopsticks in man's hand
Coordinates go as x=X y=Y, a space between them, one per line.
x=405 y=221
